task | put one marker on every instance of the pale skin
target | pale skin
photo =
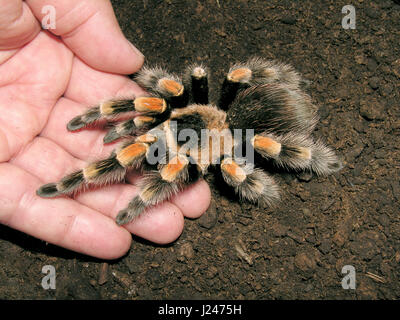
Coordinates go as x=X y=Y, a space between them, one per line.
x=46 y=78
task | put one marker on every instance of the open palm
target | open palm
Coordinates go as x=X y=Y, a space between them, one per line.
x=47 y=78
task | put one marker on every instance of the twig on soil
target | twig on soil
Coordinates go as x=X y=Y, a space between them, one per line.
x=375 y=277
x=240 y=249
x=125 y=280
x=103 y=273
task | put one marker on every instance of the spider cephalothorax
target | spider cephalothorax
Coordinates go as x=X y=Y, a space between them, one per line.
x=174 y=134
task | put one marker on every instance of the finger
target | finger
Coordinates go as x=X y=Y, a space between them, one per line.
x=61 y=221
x=89 y=86
x=18 y=25
x=91 y=31
x=194 y=200
x=162 y=224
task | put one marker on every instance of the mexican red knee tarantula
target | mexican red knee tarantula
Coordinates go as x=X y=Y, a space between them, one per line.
x=175 y=134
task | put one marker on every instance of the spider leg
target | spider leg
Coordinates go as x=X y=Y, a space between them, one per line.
x=298 y=152
x=236 y=79
x=265 y=71
x=158 y=186
x=256 y=71
x=196 y=81
x=251 y=184
x=131 y=127
x=168 y=92
x=111 y=170
x=113 y=108
x=163 y=84
x=105 y=110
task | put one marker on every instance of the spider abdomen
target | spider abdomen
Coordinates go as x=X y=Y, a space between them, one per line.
x=274 y=108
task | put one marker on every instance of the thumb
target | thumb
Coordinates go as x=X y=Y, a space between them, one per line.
x=90 y=29
x=18 y=25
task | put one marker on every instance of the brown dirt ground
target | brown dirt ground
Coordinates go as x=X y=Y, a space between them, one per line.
x=240 y=251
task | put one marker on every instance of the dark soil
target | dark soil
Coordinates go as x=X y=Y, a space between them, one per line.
x=241 y=251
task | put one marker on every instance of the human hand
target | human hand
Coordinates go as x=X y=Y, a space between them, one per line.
x=46 y=78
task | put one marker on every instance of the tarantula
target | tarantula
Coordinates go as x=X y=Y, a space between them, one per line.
x=161 y=138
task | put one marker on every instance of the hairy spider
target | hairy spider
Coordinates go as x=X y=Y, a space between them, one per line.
x=175 y=134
